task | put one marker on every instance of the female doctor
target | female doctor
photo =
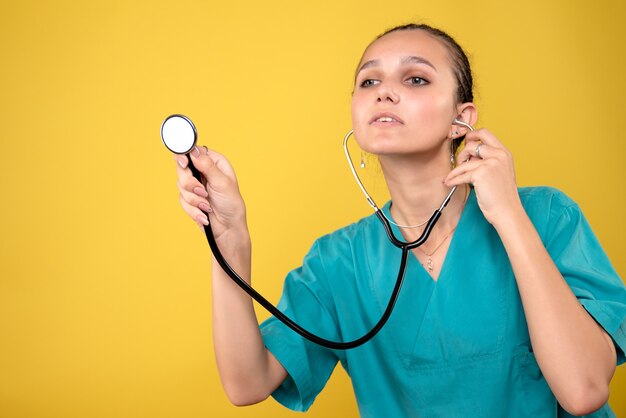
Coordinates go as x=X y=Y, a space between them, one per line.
x=511 y=308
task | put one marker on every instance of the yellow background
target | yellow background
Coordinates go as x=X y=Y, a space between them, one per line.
x=104 y=282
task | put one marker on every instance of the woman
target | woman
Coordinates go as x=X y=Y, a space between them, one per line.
x=501 y=314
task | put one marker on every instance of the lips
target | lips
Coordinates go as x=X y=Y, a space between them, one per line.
x=386 y=117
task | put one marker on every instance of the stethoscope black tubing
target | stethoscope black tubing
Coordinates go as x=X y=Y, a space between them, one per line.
x=336 y=345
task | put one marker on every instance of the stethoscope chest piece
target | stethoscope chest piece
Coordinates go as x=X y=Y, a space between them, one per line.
x=179 y=134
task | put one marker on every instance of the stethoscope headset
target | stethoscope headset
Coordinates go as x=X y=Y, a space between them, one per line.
x=180 y=135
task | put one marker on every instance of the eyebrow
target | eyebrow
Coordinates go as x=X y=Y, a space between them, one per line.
x=403 y=61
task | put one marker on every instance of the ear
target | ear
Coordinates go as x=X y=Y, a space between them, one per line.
x=466 y=112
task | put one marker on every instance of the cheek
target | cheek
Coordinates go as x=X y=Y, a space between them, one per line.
x=359 y=113
x=434 y=105
x=437 y=111
x=357 y=109
x=359 y=119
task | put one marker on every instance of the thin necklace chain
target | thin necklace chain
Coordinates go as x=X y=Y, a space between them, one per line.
x=429 y=262
x=405 y=226
x=438 y=245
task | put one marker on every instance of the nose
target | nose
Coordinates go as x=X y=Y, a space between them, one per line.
x=386 y=93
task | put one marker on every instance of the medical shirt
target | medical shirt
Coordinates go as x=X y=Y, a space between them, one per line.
x=455 y=347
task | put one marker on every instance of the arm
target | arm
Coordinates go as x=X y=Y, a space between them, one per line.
x=576 y=356
x=249 y=372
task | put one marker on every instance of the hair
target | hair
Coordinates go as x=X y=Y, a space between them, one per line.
x=460 y=64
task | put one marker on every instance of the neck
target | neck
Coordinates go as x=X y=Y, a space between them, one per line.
x=416 y=188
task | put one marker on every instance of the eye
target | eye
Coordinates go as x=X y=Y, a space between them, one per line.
x=368 y=82
x=416 y=81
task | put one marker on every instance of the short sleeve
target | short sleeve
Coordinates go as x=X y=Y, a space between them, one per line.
x=589 y=273
x=308 y=302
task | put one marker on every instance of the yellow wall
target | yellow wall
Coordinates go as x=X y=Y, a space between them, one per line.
x=104 y=283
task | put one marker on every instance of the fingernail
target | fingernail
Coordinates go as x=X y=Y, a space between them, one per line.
x=202 y=219
x=204 y=207
x=195 y=152
x=200 y=191
x=182 y=162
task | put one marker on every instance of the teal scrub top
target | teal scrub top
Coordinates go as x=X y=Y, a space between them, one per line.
x=457 y=347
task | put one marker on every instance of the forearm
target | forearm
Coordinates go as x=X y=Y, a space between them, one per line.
x=573 y=351
x=248 y=371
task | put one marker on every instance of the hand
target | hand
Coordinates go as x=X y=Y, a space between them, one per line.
x=492 y=174
x=219 y=196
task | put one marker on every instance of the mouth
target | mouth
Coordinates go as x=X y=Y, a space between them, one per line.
x=386 y=118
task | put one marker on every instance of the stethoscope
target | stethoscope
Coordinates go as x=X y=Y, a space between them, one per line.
x=180 y=135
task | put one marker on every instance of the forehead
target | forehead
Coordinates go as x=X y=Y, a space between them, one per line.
x=404 y=43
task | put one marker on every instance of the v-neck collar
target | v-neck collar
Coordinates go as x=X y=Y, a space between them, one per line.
x=413 y=263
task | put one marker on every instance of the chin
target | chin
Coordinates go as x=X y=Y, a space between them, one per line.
x=386 y=143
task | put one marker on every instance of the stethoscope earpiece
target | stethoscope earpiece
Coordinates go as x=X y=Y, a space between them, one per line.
x=460 y=122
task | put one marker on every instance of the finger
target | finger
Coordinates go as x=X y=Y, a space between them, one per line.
x=195 y=213
x=465 y=153
x=470 y=150
x=195 y=199
x=181 y=160
x=465 y=178
x=221 y=162
x=482 y=151
x=461 y=169
x=214 y=167
x=485 y=136
x=188 y=182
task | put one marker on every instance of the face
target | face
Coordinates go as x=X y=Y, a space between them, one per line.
x=404 y=95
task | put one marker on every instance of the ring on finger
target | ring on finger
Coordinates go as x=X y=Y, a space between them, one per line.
x=206 y=149
x=478 y=150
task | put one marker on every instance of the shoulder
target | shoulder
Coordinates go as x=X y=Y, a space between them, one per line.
x=542 y=201
x=549 y=209
x=546 y=196
x=338 y=252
